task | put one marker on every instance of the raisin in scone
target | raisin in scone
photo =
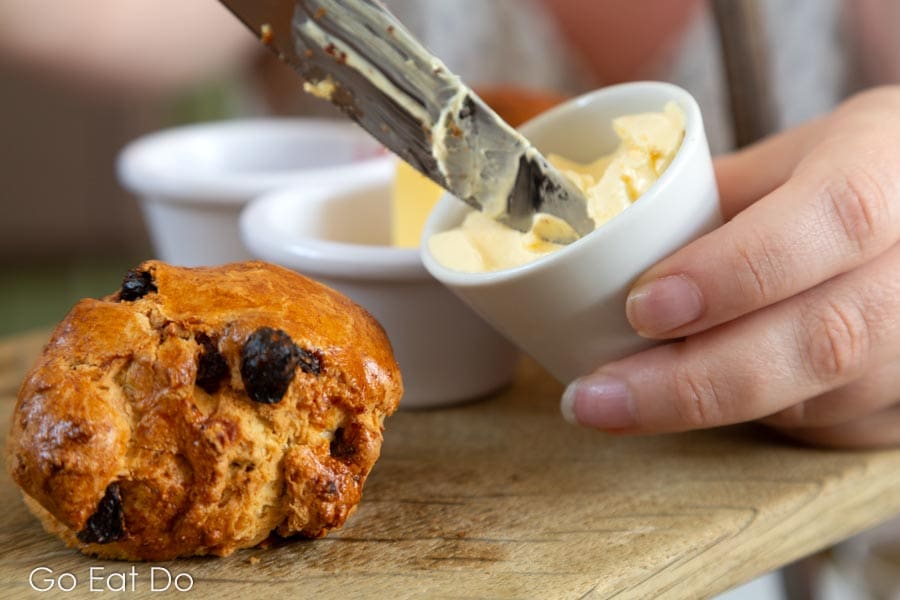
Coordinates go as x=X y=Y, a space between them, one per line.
x=198 y=410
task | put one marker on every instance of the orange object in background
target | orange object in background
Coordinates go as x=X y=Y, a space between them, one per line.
x=413 y=195
x=516 y=105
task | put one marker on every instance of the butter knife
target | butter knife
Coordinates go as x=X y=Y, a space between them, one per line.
x=357 y=55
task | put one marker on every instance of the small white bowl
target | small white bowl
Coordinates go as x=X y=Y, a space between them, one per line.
x=339 y=234
x=193 y=181
x=567 y=309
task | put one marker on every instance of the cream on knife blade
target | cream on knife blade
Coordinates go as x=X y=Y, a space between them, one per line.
x=358 y=56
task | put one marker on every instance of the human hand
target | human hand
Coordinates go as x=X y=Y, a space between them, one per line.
x=790 y=312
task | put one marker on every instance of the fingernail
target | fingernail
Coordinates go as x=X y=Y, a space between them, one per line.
x=663 y=305
x=598 y=401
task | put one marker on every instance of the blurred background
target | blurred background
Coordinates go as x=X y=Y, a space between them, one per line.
x=80 y=79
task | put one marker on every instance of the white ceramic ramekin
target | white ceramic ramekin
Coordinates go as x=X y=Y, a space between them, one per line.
x=338 y=232
x=568 y=309
x=193 y=181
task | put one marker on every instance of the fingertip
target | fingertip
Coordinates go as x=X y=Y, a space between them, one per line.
x=567 y=404
x=599 y=401
x=664 y=305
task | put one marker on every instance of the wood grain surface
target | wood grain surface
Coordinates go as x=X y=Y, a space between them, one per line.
x=501 y=499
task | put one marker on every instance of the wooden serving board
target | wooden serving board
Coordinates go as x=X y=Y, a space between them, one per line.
x=500 y=498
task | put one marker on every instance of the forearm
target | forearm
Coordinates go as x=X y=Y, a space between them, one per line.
x=139 y=46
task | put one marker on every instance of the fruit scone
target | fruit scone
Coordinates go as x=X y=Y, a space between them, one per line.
x=198 y=410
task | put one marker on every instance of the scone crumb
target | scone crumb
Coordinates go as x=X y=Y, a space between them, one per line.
x=267 y=543
x=253 y=560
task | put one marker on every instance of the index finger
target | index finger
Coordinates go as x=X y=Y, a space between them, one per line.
x=839 y=208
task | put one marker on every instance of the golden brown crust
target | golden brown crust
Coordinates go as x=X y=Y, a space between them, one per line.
x=115 y=399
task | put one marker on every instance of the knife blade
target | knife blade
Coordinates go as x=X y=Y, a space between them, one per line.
x=357 y=55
